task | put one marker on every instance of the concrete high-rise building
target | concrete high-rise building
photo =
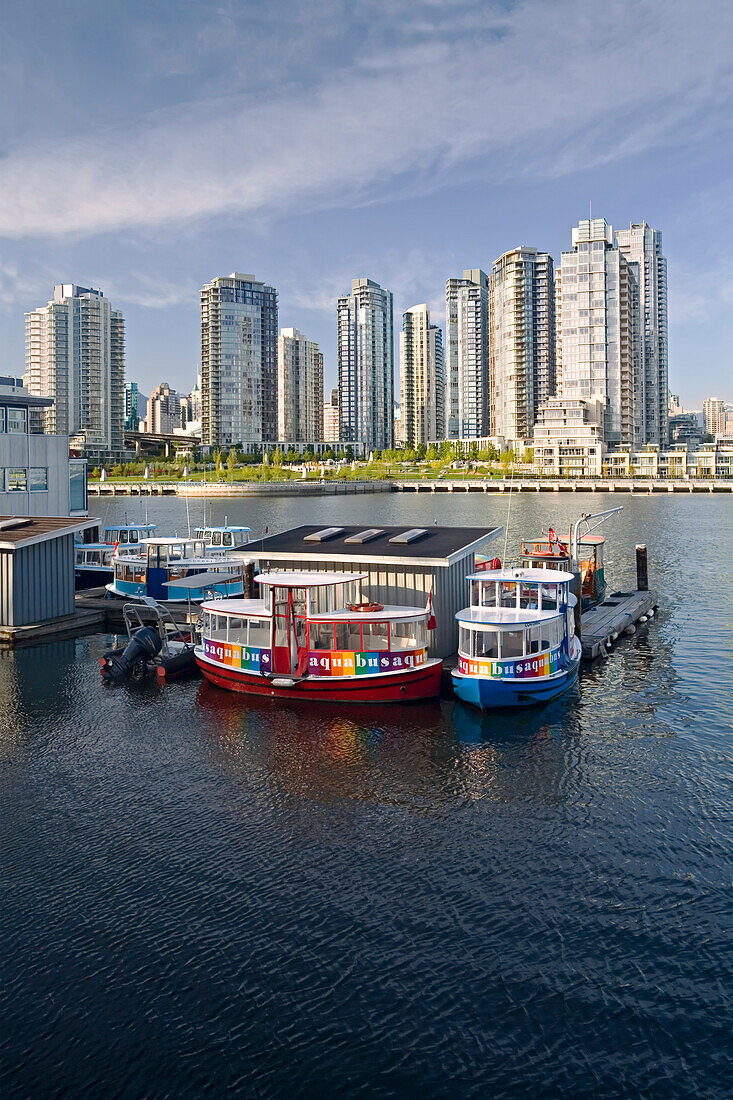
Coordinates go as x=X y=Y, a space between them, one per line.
x=299 y=388
x=713 y=416
x=75 y=353
x=522 y=341
x=331 y=418
x=163 y=410
x=467 y=360
x=238 y=361
x=597 y=325
x=642 y=247
x=366 y=366
x=422 y=378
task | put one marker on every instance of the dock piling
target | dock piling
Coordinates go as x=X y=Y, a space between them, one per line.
x=642 y=576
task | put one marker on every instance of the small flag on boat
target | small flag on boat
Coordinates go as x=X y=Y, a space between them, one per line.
x=432 y=621
x=553 y=537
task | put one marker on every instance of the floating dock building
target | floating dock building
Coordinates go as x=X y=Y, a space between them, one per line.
x=402 y=566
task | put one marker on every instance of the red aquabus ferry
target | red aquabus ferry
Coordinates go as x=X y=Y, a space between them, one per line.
x=311 y=636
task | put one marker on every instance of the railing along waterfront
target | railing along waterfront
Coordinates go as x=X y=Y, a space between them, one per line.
x=563 y=485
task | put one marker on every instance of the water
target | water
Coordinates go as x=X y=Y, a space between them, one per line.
x=201 y=894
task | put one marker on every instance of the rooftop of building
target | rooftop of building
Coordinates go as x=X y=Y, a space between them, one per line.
x=17 y=531
x=428 y=545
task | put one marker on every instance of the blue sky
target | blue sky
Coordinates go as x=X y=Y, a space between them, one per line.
x=146 y=147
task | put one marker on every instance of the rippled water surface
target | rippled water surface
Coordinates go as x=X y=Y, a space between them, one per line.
x=200 y=894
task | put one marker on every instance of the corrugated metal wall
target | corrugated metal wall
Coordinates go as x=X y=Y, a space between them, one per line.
x=405 y=585
x=37 y=582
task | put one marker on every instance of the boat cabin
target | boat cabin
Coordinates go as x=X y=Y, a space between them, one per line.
x=519 y=623
x=314 y=624
x=555 y=554
x=128 y=534
x=223 y=538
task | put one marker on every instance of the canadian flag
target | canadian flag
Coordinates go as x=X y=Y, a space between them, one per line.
x=432 y=621
x=114 y=552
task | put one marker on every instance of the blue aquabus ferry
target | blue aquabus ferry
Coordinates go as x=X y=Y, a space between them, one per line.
x=517 y=644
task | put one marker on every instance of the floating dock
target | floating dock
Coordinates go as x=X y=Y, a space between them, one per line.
x=606 y=622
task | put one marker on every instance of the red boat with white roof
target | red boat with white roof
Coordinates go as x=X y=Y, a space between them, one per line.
x=311 y=636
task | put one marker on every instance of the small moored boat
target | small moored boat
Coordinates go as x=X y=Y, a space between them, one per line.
x=159 y=561
x=93 y=560
x=219 y=540
x=517 y=643
x=311 y=636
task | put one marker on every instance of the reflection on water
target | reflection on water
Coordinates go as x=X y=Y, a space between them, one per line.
x=202 y=893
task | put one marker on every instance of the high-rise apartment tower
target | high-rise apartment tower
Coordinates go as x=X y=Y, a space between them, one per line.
x=597 y=322
x=642 y=247
x=522 y=341
x=366 y=365
x=467 y=360
x=75 y=353
x=299 y=388
x=422 y=378
x=238 y=361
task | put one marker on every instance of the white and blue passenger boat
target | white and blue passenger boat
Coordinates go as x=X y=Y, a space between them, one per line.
x=517 y=642
x=93 y=560
x=219 y=540
x=147 y=569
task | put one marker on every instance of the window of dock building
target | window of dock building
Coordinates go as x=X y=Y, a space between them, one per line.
x=2 y=479
x=17 y=421
x=17 y=481
x=2 y=418
x=38 y=479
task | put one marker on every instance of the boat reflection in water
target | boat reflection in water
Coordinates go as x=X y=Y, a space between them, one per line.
x=425 y=756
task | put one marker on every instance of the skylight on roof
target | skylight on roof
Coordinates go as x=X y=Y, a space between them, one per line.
x=365 y=536
x=324 y=535
x=412 y=535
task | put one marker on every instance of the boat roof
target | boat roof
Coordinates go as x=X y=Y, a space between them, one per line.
x=527 y=576
x=307 y=579
x=389 y=611
x=238 y=606
x=130 y=526
x=170 y=540
x=203 y=580
x=93 y=546
x=504 y=616
x=592 y=539
x=186 y=563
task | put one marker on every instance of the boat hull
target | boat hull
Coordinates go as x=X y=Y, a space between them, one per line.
x=393 y=687
x=487 y=693
x=84 y=577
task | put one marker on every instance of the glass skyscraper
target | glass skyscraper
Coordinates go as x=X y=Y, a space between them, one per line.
x=467 y=359
x=422 y=378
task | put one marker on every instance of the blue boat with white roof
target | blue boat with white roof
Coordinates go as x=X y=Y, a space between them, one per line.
x=148 y=569
x=517 y=644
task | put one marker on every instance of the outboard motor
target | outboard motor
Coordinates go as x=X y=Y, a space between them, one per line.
x=144 y=646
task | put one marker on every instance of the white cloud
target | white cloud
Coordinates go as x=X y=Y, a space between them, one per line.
x=563 y=86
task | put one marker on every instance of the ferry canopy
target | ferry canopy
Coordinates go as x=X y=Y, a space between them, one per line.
x=310 y=579
x=229 y=527
x=504 y=616
x=203 y=580
x=526 y=576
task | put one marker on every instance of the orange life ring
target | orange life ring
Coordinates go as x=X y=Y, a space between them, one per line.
x=365 y=607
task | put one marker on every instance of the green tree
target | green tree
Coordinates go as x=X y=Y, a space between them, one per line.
x=217 y=462
x=421 y=453
x=432 y=453
x=231 y=462
x=277 y=457
x=349 y=453
x=328 y=453
x=529 y=456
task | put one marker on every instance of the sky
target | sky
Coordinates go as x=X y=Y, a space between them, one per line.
x=146 y=147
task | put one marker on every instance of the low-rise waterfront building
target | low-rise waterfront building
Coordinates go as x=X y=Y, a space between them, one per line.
x=37 y=477
x=568 y=437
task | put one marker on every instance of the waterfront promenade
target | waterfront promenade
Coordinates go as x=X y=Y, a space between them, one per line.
x=328 y=487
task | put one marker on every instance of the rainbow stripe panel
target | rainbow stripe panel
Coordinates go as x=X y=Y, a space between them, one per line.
x=520 y=668
x=249 y=658
x=333 y=662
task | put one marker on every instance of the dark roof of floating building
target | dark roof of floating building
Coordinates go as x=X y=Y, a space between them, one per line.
x=441 y=546
x=16 y=531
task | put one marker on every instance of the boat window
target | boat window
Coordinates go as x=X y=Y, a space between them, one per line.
x=409 y=634
x=259 y=633
x=348 y=637
x=175 y=551
x=318 y=600
x=485 y=643
x=512 y=643
x=153 y=555
x=374 y=636
x=321 y=636
x=464 y=640
x=134 y=536
x=216 y=538
x=227 y=539
x=537 y=640
x=509 y=594
x=298 y=601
